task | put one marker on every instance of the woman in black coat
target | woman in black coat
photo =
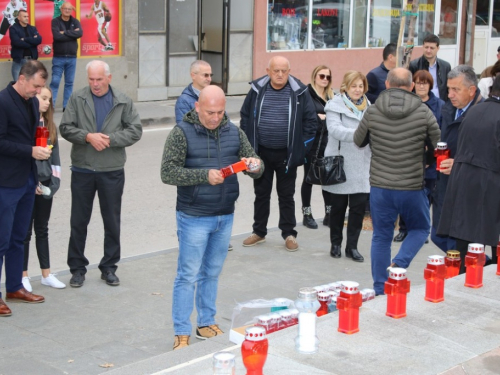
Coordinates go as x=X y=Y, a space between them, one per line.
x=471 y=209
x=320 y=90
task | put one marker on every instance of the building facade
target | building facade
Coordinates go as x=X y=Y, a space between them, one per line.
x=159 y=39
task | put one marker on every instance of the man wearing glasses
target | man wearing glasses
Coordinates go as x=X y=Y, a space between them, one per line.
x=66 y=30
x=201 y=74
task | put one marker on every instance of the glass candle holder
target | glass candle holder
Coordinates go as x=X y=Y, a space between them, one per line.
x=223 y=363
x=323 y=299
x=396 y=288
x=435 y=274
x=307 y=304
x=254 y=350
x=348 y=303
x=452 y=262
x=474 y=263
x=441 y=153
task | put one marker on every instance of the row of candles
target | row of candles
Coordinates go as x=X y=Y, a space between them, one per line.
x=313 y=302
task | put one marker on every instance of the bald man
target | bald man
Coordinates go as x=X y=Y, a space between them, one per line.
x=397 y=127
x=280 y=121
x=195 y=151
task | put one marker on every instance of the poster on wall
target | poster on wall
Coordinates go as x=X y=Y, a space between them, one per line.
x=101 y=27
x=100 y=21
x=10 y=9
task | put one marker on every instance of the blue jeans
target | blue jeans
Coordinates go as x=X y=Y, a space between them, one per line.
x=16 y=68
x=16 y=205
x=385 y=205
x=60 y=65
x=203 y=244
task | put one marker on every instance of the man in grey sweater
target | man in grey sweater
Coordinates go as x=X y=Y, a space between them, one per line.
x=397 y=127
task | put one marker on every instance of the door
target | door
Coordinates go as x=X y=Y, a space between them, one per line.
x=214 y=39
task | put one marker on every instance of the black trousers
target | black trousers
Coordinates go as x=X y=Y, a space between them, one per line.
x=339 y=204
x=306 y=189
x=109 y=188
x=463 y=246
x=275 y=162
x=40 y=222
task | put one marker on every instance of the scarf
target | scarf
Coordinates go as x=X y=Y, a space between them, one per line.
x=357 y=108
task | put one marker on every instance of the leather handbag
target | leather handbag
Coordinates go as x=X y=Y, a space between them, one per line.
x=326 y=170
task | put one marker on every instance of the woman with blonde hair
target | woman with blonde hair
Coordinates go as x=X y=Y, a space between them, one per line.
x=49 y=175
x=343 y=114
x=320 y=90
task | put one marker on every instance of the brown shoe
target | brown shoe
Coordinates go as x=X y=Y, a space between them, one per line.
x=291 y=243
x=181 y=341
x=253 y=240
x=4 y=309
x=22 y=295
x=208 y=332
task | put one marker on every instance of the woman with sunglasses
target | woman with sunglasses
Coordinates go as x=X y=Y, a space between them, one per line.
x=320 y=89
x=343 y=115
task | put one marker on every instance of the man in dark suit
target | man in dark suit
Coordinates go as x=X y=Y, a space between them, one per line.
x=19 y=115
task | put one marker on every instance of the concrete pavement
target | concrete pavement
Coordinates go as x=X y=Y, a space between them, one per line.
x=124 y=330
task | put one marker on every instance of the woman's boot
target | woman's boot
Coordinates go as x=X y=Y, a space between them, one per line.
x=308 y=220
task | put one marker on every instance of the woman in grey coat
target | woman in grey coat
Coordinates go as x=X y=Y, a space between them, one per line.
x=343 y=114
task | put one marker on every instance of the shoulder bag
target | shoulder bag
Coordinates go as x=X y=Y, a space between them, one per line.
x=326 y=170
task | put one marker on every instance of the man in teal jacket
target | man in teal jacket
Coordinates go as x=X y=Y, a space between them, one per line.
x=100 y=122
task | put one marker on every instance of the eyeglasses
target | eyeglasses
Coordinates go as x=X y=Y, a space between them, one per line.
x=324 y=76
x=206 y=75
x=421 y=83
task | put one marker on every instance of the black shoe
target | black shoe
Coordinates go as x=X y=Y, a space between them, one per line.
x=111 y=278
x=400 y=236
x=326 y=220
x=309 y=222
x=354 y=254
x=77 y=280
x=427 y=240
x=335 y=251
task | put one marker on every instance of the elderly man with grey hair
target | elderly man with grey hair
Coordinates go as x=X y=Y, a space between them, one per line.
x=201 y=75
x=397 y=127
x=463 y=94
x=100 y=121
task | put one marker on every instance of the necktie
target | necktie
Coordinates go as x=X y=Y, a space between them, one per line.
x=459 y=112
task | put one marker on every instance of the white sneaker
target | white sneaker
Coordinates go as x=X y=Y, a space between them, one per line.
x=52 y=281
x=27 y=284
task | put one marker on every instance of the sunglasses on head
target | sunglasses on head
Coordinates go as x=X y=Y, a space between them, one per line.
x=324 y=76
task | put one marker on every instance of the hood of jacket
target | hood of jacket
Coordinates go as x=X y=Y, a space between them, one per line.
x=296 y=86
x=397 y=103
x=190 y=92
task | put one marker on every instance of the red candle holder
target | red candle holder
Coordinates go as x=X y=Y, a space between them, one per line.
x=435 y=273
x=42 y=134
x=265 y=321
x=348 y=303
x=234 y=168
x=323 y=298
x=441 y=153
x=474 y=261
x=396 y=288
x=452 y=262
x=254 y=350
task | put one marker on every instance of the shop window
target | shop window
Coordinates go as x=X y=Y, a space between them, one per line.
x=375 y=23
x=183 y=26
x=448 y=22
x=359 y=24
x=287 y=24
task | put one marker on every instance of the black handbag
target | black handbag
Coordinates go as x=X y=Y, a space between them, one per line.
x=326 y=170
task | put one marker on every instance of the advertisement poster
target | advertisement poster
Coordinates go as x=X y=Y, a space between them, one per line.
x=10 y=9
x=100 y=21
x=101 y=28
